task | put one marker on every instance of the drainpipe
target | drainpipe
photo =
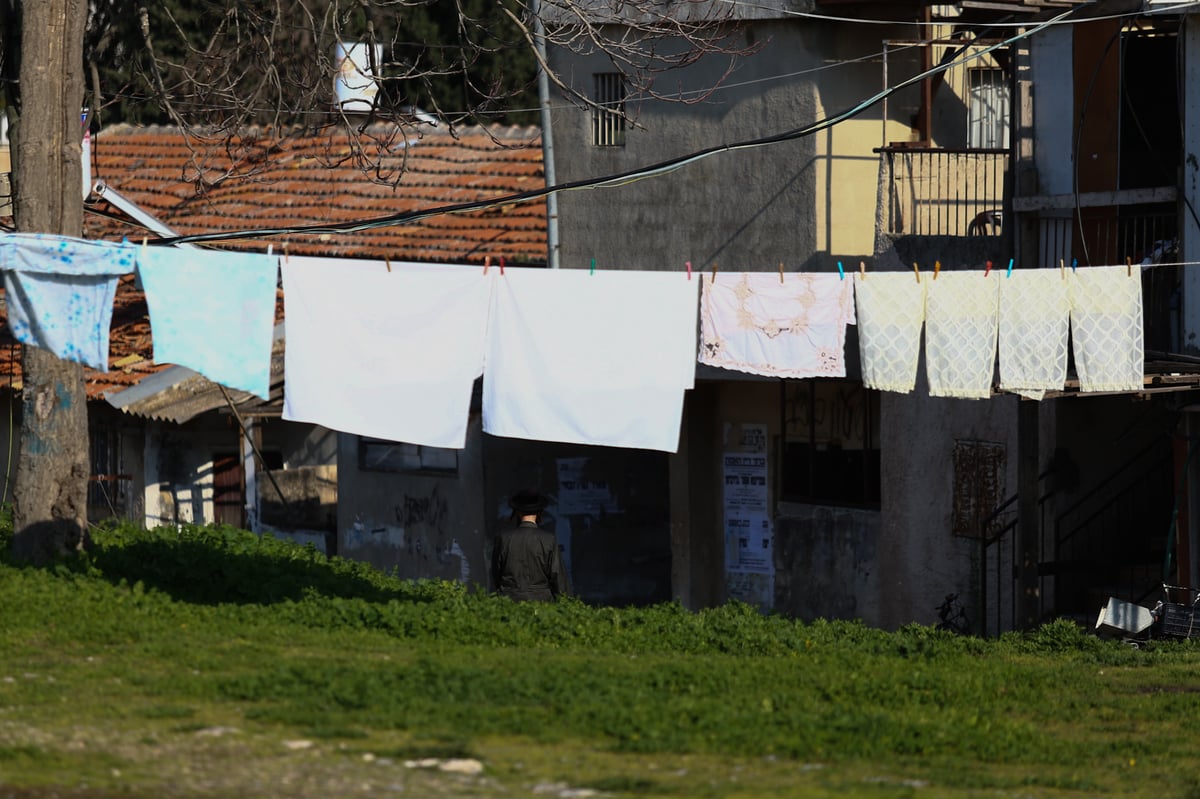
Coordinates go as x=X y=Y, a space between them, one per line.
x=543 y=82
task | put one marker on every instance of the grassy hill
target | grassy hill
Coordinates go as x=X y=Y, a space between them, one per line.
x=208 y=661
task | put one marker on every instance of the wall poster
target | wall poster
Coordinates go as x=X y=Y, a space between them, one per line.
x=749 y=539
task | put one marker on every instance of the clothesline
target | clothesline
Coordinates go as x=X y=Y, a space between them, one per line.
x=409 y=340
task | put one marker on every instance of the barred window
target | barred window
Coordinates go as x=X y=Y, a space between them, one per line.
x=608 y=117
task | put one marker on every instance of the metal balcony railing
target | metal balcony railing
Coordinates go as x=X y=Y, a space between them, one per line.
x=936 y=191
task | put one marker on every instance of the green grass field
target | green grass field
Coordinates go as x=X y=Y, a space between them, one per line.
x=209 y=662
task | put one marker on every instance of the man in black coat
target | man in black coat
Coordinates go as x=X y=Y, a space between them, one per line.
x=526 y=564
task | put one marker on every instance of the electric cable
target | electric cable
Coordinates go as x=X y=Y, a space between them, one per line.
x=620 y=178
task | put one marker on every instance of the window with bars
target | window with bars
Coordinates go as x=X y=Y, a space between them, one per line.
x=378 y=455
x=608 y=115
x=108 y=485
x=987 y=108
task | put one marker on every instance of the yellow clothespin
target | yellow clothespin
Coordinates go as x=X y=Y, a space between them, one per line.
x=781 y=271
x=937 y=267
x=917 y=271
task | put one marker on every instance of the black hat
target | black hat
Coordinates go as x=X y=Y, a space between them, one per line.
x=527 y=502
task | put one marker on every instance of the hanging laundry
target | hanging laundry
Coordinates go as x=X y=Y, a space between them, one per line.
x=184 y=309
x=751 y=322
x=961 y=323
x=590 y=359
x=387 y=354
x=1106 y=328
x=890 y=313
x=1035 y=315
x=59 y=292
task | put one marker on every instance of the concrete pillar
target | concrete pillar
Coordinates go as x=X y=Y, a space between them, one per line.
x=1189 y=229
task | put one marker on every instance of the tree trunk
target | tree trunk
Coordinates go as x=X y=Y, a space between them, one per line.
x=50 y=490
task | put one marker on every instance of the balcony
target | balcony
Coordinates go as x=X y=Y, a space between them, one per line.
x=939 y=191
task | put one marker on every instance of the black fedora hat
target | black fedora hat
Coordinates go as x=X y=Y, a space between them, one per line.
x=526 y=501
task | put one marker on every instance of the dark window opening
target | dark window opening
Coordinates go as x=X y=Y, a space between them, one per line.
x=830 y=447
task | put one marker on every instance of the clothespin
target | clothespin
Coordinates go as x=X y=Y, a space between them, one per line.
x=841 y=272
x=862 y=269
x=714 y=274
x=387 y=262
x=285 y=252
x=688 y=264
x=592 y=271
x=270 y=249
x=1074 y=264
x=987 y=270
x=501 y=266
x=781 y=271
x=144 y=243
x=937 y=267
x=487 y=261
x=1010 y=266
x=917 y=271
x=1129 y=266
x=1062 y=268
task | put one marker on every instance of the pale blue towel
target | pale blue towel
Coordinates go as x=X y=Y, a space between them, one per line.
x=213 y=312
x=59 y=292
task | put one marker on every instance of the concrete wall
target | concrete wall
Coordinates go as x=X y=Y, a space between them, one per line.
x=798 y=202
x=827 y=562
x=415 y=524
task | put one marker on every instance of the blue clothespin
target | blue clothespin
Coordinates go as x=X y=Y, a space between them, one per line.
x=1074 y=263
x=1010 y=266
x=841 y=272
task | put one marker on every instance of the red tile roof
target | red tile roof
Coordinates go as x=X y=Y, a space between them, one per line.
x=262 y=181
x=259 y=181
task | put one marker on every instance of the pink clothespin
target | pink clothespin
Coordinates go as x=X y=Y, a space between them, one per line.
x=688 y=264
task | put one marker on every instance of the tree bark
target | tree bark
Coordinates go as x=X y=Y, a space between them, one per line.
x=50 y=489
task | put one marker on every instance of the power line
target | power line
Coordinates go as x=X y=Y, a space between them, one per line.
x=621 y=178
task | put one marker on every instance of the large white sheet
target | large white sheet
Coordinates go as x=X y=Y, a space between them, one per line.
x=590 y=359
x=387 y=354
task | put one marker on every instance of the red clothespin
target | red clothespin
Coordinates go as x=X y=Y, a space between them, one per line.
x=501 y=266
x=988 y=269
x=487 y=261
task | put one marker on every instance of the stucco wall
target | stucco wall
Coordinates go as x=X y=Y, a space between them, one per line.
x=416 y=525
x=827 y=560
x=804 y=203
